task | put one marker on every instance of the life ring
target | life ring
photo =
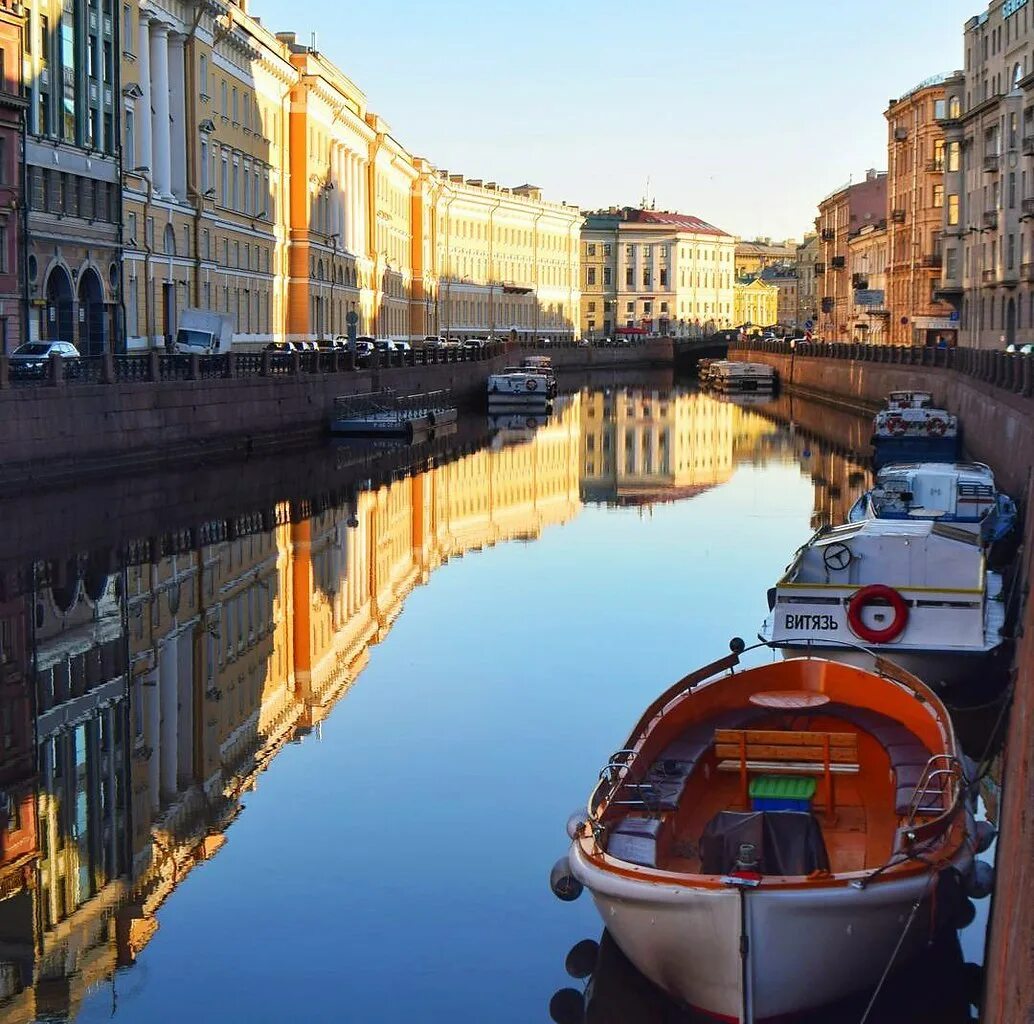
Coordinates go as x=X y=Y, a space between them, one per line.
x=936 y=427
x=896 y=425
x=862 y=599
x=531 y=385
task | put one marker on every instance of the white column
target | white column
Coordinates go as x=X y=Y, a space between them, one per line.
x=177 y=95
x=143 y=104
x=339 y=195
x=342 y=177
x=363 y=242
x=160 y=133
x=152 y=732
x=350 y=207
x=168 y=685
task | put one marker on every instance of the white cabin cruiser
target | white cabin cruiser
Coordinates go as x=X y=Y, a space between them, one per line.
x=917 y=592
x=521 y=386
x=962 y=493
x=910 y=429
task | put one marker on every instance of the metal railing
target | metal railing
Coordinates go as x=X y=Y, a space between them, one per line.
x=1010 y=371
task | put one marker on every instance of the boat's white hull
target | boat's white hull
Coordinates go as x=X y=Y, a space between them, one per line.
x=804 y=948
x=941 y=669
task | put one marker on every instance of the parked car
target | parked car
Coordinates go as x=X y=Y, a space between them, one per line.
x=30 y=361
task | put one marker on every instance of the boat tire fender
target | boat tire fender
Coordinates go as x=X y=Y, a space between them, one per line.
x=980 y=880
x=563 y=883
x=862 y=599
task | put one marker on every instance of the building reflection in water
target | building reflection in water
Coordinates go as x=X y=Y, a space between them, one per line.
x=169 y=672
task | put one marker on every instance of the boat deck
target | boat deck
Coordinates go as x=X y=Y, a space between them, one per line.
x=665 y=811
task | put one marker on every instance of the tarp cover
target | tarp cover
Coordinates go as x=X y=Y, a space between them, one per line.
x=786 y=842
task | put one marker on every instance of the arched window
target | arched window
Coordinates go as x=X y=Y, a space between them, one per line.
x=169 y=241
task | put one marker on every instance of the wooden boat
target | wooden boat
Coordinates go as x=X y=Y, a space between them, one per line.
x=916 y=591
x=910 y=429
x=962 y=493
x=747 y=912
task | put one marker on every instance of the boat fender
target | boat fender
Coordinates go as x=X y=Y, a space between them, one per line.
x=980 y=880
x=986 y=834
x=567 y=1006
x=581 y=960
x=936 y=427
x=575 y=824
x=862 y=598
x=964 y=915
x=563 y=883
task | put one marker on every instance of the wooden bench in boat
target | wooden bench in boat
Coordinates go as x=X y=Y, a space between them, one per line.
x=777 y=752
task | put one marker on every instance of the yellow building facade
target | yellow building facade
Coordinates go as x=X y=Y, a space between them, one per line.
x=757 y=303
x=259 y=184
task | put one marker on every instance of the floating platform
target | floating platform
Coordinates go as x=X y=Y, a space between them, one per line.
x=383 y=414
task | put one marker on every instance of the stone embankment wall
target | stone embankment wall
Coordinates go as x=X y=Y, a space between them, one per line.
x=998 y=426
x=66 y=430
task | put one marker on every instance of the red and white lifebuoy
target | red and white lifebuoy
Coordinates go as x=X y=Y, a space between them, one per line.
x=531 y=385
x=936 y=427
x=866 y=596
x=896 y=425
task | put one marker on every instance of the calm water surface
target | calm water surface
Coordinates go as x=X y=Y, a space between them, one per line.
x=331 y=793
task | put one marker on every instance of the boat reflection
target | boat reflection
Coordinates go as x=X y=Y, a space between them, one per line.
x=607 y=989
x=148 y=680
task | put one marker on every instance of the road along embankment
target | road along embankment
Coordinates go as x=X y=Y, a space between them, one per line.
x=63 y=429
x=998 y=428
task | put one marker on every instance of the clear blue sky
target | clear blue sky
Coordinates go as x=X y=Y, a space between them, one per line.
x=742 y=112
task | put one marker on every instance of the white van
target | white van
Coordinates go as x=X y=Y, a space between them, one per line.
x=204 y=333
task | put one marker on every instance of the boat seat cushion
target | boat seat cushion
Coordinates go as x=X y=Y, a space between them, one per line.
x=634 y=840
x=666 y=779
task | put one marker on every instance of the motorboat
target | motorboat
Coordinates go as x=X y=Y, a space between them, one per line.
x=910 y=429
x=521 y=386
x=768 y=839
x=962 y=493
x=726 y=375
x=917 y=592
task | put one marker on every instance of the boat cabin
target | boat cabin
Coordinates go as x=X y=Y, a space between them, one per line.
x=955 y=492
x=909 y=400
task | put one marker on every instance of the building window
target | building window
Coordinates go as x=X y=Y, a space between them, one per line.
x=938 y=196
x=607 y=277
x=127 y=28
x=629 y=277
x=235 y=111
x=203 y=75
x=590 y=276
x=606 y=248
x=664 y=277
x=590 y=249
x=646 y=277
x=647 y=308
x=630 y=308
x=222 y=98
x=953 y=210
x=938 y=109
x=591 y=308
x=129 y=122
x=953 y=156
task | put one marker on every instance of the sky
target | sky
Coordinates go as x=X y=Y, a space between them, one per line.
x=743 y=112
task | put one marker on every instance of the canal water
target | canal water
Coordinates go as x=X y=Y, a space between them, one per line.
x=313 y=761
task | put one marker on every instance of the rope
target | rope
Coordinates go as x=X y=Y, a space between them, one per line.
x=893 y=957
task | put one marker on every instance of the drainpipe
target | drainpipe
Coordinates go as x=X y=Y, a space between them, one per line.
x=26 y=308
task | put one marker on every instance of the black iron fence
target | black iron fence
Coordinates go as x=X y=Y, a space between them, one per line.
x=1011 y=371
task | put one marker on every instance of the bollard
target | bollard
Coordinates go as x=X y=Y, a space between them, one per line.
x=5 y=372
x=1028 y=375
x=154 y=365
x=194 y=366
x=296 y=364
x=267 y=363
x=107 y=368
x=231 y=364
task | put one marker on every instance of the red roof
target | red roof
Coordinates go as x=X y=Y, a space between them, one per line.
x=674 y=220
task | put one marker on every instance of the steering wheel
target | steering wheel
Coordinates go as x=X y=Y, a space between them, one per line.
x=837 y=557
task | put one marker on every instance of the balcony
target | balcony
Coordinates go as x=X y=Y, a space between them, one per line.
x=932 y=261
x=820 y=269
x=1028 y=145
x=991 y=162
x=1028 y=207
x=990 y=220
x=838 y=263
x=935 y=165
x=828 y=234
x=898 y=216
